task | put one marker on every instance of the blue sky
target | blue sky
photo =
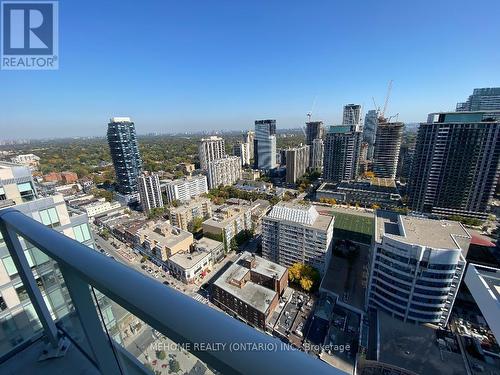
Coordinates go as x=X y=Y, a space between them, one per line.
x=200 y=65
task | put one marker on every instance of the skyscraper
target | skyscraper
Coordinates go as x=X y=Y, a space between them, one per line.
x=314 y=130
x=249 y=137
x=125 y=155
x=455 y=166
x=341 y=155
x=242 y=150
x=370 y=131
x=484 y=99
x=150 y=191
x=314 y=139
x=352 y=114
x=387 y=145
x=265 y=144
x=316 y=155
x=211 y=148
x=297 y=161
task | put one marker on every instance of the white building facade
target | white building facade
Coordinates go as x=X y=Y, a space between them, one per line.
x=187 y=188
x=295 y=233
x=224 y=172
x=416 y=267
x=150 y=191
x=210 y=149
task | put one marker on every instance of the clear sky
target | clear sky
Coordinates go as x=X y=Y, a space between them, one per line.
x=188 y=65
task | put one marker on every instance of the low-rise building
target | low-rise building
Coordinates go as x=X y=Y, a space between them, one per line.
x=183 y=215
x=250 y=289
x=193 y=265
x=187 y=168
x=69 y=177
x=66 y=177
x=227 y=222
x=16 y=184
x=28 y=160
x=161 y=240
x=416 y=267
x=92 y=206
x=250 y=174
x=185 y=189
x=297 y=233
x=379 y=191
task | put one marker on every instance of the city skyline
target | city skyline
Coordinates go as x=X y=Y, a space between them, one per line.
x=195 y=75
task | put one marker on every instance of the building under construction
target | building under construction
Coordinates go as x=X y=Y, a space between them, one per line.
x=387 y=146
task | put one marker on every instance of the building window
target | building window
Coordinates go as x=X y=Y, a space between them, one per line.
x=82 y=232
x=9 y=266
x=49 y=217
x=26 y=191
x=22 y=293
x=2 y=194
x=3 y=305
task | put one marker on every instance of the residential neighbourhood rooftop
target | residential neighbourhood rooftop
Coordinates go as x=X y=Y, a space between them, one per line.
x=187 y=260
x=251 y=293
x=164 y=234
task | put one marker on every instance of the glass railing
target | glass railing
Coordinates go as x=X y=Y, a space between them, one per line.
x=127 y=322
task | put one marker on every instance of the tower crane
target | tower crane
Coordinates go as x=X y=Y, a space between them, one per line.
x=389 y=88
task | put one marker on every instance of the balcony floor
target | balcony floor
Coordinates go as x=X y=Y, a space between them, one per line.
x=26 y=362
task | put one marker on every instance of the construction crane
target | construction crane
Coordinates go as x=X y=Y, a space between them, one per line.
x=389 y=88
x=377 y=108
x=309 y=115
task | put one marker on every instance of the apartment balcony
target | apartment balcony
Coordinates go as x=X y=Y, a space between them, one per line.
x=83 y=340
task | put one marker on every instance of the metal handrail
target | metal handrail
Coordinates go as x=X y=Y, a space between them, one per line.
x=177 y=316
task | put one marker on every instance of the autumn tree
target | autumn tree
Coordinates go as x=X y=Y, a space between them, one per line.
x=304 y=276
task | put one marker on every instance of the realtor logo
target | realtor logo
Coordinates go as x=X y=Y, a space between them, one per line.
x=29 y=35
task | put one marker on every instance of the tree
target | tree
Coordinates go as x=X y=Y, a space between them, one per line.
x=156 y=212
x=294 y=272
x=196 y=225
x=304 y=276
x=161 y=355
x=173 y=366
x=233 y=244
x=306 y=284
x=104 y=233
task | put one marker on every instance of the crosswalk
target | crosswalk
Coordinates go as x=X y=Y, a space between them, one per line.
x=200 y=298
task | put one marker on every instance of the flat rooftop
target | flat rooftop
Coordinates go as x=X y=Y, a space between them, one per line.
x=438 y=234
x=226 y=215
x=188 y=260
x=414 y=347
x=173 y=236
x=253 y=294
x=207 y=244
x=375 y=184
x=304 y=214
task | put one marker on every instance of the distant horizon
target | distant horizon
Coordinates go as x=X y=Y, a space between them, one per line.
x=157 y=133
x=184 y=66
